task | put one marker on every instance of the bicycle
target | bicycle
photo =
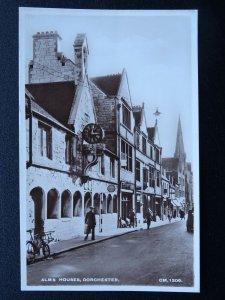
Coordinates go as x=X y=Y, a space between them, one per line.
x=36 y=243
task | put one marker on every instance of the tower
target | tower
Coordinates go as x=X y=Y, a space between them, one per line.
x=179 y=150
x=81 y=57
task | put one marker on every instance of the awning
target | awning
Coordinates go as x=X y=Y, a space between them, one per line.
x=127 y=191
x=148 y=190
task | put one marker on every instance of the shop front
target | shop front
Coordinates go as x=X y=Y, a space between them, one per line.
x=127 y=201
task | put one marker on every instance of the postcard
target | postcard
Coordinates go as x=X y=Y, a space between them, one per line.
x=109 y=151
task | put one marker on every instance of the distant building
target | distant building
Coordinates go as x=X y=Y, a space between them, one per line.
x=177 y=167
x=65 y=173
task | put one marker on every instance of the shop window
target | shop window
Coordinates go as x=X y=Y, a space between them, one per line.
x=45 y=140
x=138 y=207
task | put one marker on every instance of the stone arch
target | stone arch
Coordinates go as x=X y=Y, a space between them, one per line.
x=97 y=203
x=66 y=204
x=103 y=203
x=53 y=204
x=115 y=203
x=109 y=204
x=38 y=196
x=77 y=204
x=87 y=202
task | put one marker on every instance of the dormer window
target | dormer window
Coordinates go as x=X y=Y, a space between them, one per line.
x=126 y=116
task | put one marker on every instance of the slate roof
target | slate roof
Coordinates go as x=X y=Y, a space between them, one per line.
x=38 y=109
x=170 y=163
x=151 y=133
x=108 y=84
x=55 y=98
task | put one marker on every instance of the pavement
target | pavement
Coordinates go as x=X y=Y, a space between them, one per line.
x=62 y=246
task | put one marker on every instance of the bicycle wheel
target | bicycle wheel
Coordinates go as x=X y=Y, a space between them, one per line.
x=46 y=250
x=30 y=252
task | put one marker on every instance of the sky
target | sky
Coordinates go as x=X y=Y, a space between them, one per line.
x=157 y=49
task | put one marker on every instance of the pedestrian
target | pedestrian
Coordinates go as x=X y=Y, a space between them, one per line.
x=132 y=217
x=91 y=222
x=148 y=217
x=181 y=214
x=169 y=217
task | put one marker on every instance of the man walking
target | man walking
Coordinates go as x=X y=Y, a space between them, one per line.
x=148 y=217
x=132 y=218
x=91 y=222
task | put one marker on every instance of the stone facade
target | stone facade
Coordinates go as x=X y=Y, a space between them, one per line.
x=61 y=182
x=49 y=65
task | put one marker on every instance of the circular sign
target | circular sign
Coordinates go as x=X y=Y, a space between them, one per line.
x=111 y=188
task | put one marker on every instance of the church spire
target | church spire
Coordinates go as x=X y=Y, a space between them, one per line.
x=179 y=151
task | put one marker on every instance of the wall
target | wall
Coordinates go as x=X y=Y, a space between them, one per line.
x=48 y=64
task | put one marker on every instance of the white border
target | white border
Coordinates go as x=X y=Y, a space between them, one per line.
x=22 y=138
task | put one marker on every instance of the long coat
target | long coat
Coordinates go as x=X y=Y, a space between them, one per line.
x=148 y=217
x=90 y=219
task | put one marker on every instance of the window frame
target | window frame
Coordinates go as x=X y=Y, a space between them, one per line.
x=42 y=127
x=126 y=116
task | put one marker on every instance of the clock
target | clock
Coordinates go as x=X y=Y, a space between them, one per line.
x=93 y=133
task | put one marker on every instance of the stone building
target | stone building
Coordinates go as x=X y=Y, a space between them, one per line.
x=189 y=187
x=114 y=113
x=178 y=167
x=147 y=164
x=59 y=192
x=63 y=179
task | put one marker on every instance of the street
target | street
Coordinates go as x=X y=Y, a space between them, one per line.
x=161 y=256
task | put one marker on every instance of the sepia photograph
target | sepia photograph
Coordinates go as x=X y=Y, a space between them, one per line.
x=109 y=150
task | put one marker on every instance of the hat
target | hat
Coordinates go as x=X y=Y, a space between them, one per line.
x=91 y=207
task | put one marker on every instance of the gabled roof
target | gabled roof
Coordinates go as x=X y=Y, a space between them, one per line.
x=151 y=133
x=108 y=84
x=38 y=109
x=170 y=163
x=55 y=98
